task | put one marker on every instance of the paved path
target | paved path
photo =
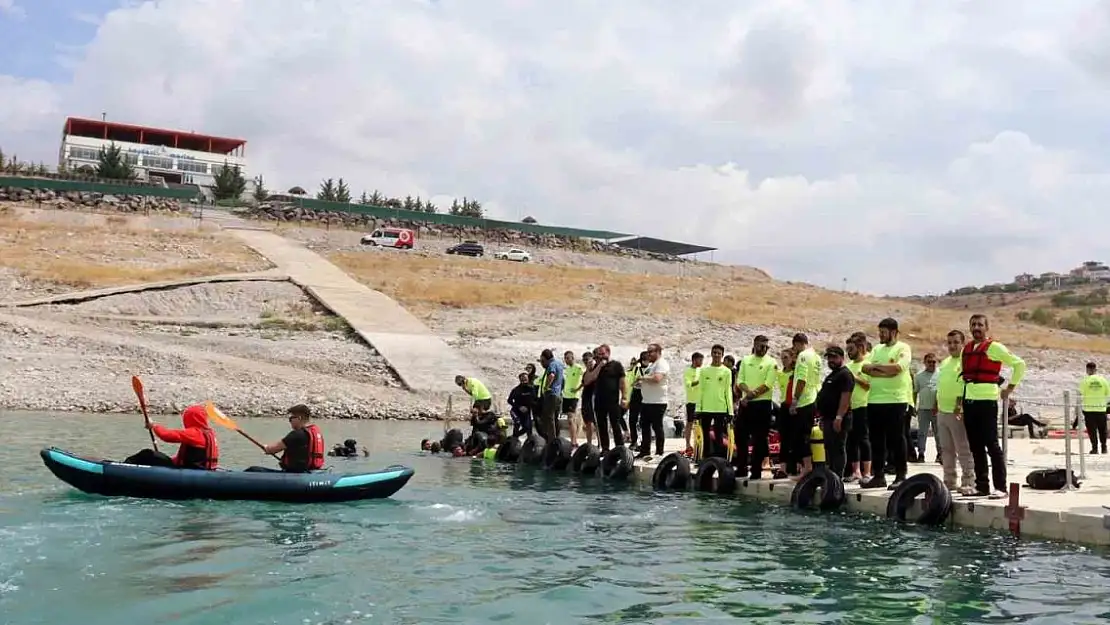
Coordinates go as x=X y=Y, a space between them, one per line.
x=422 y=360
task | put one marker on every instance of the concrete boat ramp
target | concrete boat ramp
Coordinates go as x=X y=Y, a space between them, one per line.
x=422 y=360
x=1078 y=516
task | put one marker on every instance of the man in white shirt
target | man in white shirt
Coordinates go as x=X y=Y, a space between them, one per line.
x=654 y=389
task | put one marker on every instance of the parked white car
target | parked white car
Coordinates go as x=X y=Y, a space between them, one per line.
x=515 y=253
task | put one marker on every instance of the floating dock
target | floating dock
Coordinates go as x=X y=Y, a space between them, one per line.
x=1076 y=516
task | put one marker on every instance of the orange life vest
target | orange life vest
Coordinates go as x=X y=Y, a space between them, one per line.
x=316 y=451
x=978 y=368
x=205 y=458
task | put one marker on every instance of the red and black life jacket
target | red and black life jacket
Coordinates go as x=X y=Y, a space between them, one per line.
x=204 y=458
x=978 y=368
x=316 y=451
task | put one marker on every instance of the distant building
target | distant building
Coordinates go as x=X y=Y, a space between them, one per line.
x=173 y=156
x=1024 y=279
x=1051 y=279
x=1092 y=271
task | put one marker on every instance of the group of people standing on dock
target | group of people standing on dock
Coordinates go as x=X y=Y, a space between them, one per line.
x=862 y=405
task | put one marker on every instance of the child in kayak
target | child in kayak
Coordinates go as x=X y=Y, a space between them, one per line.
x=198 y=447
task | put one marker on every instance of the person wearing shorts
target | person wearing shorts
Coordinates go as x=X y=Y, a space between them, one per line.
x=572 y=392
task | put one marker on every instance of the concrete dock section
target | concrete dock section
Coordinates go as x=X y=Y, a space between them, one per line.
x=422 y=360
x=1078 y=516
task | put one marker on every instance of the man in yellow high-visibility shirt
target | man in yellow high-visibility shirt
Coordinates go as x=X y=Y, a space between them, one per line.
x=800 y=415
x=715 y=402
x=1095 y=391
x=756 y=379
x=572 y=392
x=479 y=394
x=981 y=363
x=859 y=441
x=693 y=392
x=887 y=403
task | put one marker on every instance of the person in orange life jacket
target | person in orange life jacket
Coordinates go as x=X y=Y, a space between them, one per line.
x=302 y=449
x=198 y=447
x=983 y=358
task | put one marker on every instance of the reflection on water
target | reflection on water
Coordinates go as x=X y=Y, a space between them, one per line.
x=476 y=542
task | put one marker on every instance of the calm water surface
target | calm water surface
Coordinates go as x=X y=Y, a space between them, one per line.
x=471 y=542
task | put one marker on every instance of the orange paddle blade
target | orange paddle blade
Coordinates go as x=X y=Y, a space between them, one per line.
x=137 y=385
x=218 y=417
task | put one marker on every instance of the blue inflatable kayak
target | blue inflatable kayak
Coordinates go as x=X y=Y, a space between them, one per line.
x=118 y=479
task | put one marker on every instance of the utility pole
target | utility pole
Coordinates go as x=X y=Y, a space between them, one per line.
x=103 y=117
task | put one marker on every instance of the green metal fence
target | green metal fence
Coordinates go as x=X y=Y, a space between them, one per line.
x=385 y=212
x=107 y=188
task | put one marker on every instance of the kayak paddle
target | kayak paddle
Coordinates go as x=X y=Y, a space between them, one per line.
x=217 y=416
x=137 y=386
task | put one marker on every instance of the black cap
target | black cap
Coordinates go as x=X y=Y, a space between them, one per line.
x=889 y=323
x=801 y=338
x=761 y=338
x=301 y=410
x=834 y=350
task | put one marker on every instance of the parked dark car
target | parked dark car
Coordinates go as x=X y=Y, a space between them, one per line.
x=467 y=248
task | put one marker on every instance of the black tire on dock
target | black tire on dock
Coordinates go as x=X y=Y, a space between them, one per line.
x=937 y=504
x=509 y=451
x=556 y=455
x=531 y=451
x=673 y=473
x=586 y=459
x=715 y=470
x=831 y=486
x=453 y=438
x=618 y=463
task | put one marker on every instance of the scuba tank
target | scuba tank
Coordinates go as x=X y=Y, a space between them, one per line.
x=817 y=444
x=489 y=453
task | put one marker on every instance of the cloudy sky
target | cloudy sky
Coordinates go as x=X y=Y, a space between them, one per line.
x=908 y=147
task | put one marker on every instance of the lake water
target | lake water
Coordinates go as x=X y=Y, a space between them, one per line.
x=471 y=542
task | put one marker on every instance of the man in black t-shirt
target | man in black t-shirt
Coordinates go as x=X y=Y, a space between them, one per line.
x=833 y=402
x=609 y=397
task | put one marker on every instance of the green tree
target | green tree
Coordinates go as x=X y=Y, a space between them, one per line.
x=230 y=183
x=528 y=220
x=343 y=192
x=470 y=208
x=364 y=199
x=376 y=199
x=327 y=191
x=260 y=192
x=430 y=208
x=111 y=164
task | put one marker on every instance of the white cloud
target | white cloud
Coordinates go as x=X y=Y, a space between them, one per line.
x=11 y=9
x=905 y=147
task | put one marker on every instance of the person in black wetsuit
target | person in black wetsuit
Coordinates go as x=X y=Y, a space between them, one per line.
x=610 y=397
x=589 y=421
x=522 y=404
x=349 y=449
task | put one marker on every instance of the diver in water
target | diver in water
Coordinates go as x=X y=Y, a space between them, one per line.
x=349 y=449
x=494 y=426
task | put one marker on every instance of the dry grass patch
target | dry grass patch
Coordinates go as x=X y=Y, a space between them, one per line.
x=115 y=254
x=428 y=284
